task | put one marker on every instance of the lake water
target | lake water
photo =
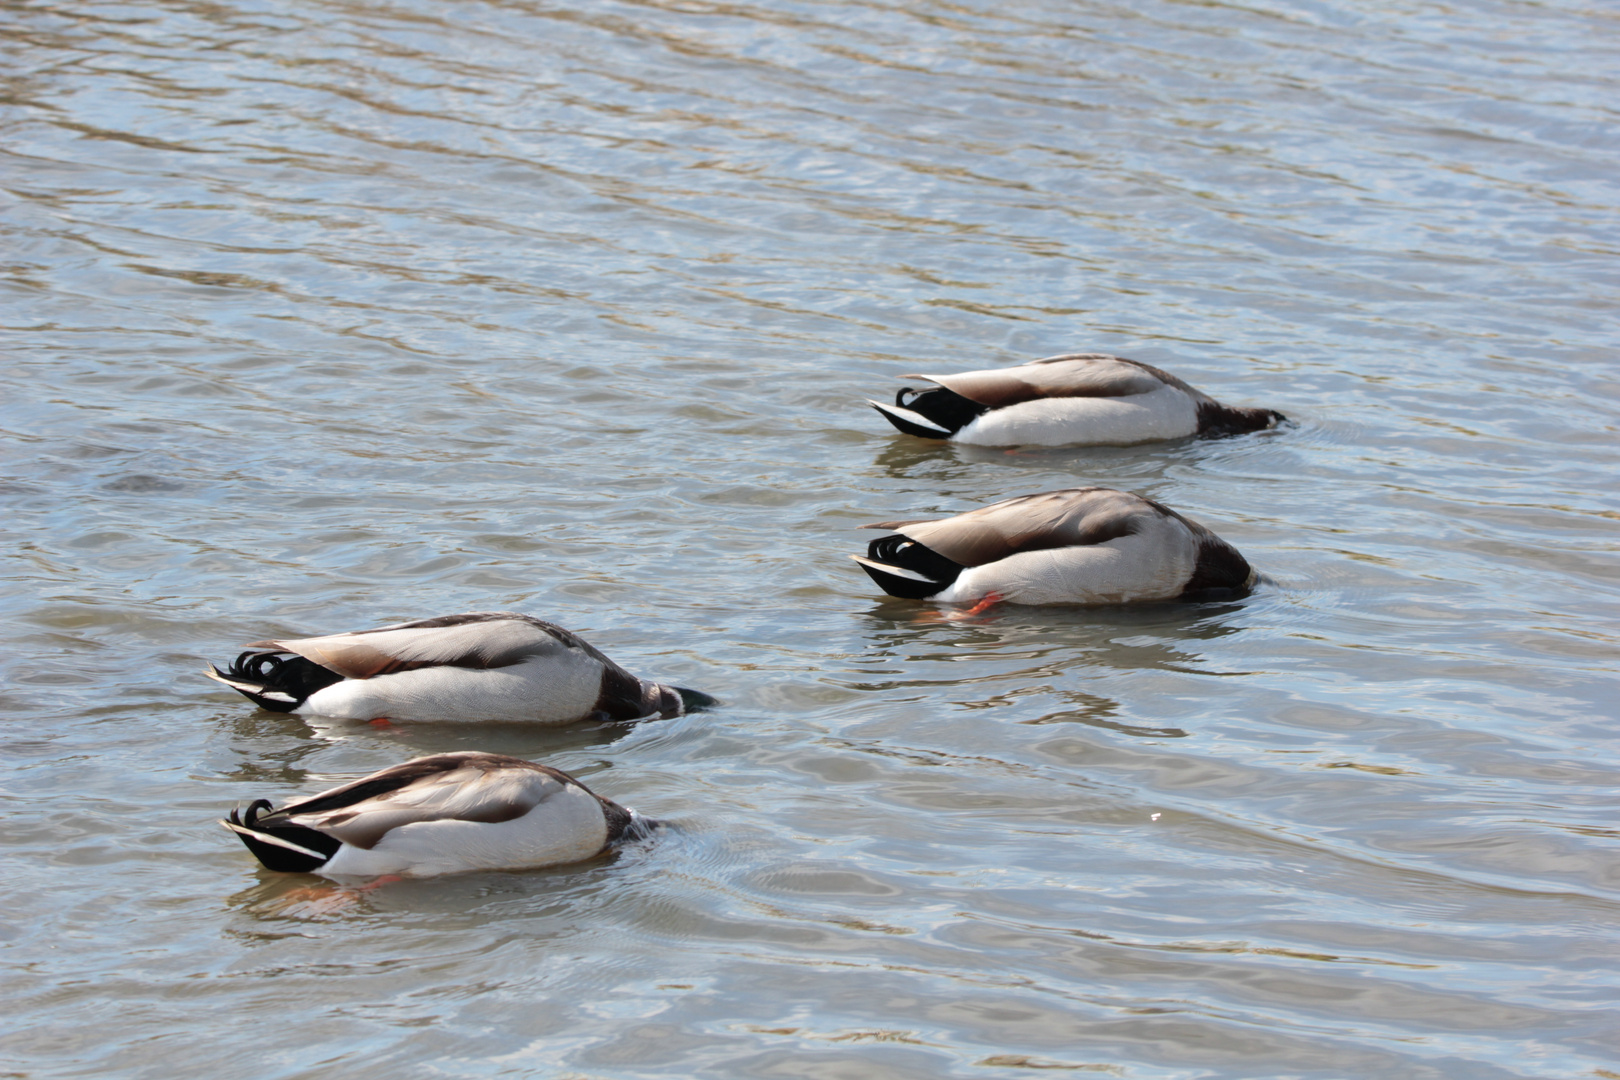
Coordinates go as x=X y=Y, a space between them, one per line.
x=321 y=315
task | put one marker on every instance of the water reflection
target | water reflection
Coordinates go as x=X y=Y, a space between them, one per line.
x=277 y=748
x=529 y=741
x=470 y=900
x=1120 y=637
x=301 y=897
x=1037 y=666
x=1128 y=467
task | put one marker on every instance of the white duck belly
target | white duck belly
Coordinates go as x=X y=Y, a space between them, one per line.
x=557 y=689
x=1165 y=413
x=1151 y=566
x=567 y=827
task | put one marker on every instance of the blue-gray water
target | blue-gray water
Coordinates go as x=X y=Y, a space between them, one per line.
x=325 y=314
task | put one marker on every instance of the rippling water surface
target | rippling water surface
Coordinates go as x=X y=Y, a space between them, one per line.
x=326 y=314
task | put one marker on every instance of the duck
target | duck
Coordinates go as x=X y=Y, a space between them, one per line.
x=482 y=665
x=441 y=814
x=1088 y=545
x=1073 y=399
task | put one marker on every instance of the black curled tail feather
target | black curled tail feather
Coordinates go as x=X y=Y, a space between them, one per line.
x=318 y=847
x=944 y=407
x=937 y=405
x=277 y=682
x=898 y=551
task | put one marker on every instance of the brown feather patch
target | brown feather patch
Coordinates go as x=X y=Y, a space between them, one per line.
x=1052 y=519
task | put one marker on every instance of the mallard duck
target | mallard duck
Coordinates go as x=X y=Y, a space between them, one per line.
x=486 y=665
x=1089 y=545
x=436 y=815
x=1077 y=398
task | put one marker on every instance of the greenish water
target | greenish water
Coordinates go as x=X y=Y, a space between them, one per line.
x=323 y=315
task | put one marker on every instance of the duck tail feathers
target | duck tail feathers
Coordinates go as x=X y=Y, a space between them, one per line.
x=908 y=422
x=285 y=847
x=902 y=567
x=898 y=581
x=255 y=692
x=935 y=413
x=277 y=683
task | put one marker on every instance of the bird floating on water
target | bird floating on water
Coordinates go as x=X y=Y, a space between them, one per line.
x=1091 y=545
x=442 y=814
x=486 y=665
x=1077 y=398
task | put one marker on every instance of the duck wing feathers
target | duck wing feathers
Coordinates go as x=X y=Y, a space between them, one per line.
x=463 y=786
x=480 y=639
x=1070 y=375
x=1052 y=519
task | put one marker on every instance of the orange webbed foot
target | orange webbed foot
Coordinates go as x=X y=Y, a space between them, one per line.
x=953 y=615
x=990 y=600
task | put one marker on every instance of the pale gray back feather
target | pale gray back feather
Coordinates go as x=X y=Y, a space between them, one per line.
x=476 y=640
x=1072 y=375
x=1052 y=519
x=480 y=787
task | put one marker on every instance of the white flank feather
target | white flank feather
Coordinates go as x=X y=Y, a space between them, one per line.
x=1165 y=413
